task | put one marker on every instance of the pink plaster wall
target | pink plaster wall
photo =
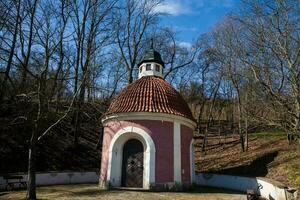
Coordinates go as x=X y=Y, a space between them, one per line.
x=186 y=137
x=162 y=134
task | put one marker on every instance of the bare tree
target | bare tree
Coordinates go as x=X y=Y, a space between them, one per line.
x=271 y=50
x=26 y=40
x=15 y=32
x=90 y=22
x=132 y=22
x=226 y=39
x=176 y=55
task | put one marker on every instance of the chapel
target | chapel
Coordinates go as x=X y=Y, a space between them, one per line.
x=148 y=134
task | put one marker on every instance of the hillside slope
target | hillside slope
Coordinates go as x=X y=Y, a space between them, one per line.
x=269 y=155
x=55 y=151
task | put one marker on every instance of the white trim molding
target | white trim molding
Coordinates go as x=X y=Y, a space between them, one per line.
x=177 y=152
x=149 y=116
x=114 y=170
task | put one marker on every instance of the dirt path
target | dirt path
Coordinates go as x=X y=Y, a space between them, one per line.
x=91 y=191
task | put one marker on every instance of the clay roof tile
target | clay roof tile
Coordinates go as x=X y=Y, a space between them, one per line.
x=150 y=94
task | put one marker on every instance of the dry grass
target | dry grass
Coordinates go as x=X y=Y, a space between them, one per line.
x=91 y=191
x=222 y=156
x=285 y=166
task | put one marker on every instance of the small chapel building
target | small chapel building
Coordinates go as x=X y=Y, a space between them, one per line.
x=147 y=138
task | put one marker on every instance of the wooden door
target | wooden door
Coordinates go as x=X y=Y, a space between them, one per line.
x=132 y=164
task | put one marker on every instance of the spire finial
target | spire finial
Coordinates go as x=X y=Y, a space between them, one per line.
x=151 y=43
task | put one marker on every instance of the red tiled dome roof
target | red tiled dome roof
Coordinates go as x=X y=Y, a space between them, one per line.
x=150 y=94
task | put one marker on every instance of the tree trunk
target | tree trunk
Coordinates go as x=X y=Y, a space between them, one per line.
x=78 y=112
x=129 y=76
x=240 y=129
x=205 y=139
x=239 y=113
x=31 y=187
x=77 y=124
x=246 y=134
x=42 y=108
x=246 y=122
x=219 y=131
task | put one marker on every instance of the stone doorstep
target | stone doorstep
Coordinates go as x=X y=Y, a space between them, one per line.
x=128 y=188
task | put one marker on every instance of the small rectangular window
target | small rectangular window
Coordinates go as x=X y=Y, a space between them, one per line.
x=157 y=68
x=141 y=68
x=148 y=67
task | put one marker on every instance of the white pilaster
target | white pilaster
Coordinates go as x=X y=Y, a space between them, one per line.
x=177 y=152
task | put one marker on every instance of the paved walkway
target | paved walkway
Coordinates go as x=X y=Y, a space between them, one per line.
x=91 y=191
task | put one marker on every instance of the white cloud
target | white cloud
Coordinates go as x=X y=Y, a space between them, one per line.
x=189 y=29
x=179 y=7
x=172 y=8
x=185 y=44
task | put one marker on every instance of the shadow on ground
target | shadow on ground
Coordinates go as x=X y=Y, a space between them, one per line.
x=3 y=193
x=198 y=189
x=90 y=192
x=210 y=190
x=258 y=167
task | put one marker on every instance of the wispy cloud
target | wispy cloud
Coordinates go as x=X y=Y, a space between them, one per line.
x=184 y=28
x=179 y=7
x=172 y=7
x=185 y=44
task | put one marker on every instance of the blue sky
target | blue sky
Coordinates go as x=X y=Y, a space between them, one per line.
x=190 y=18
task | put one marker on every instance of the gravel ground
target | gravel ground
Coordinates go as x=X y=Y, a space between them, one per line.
x=91 y=191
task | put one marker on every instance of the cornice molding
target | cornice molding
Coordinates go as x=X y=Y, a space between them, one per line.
x=148 y=116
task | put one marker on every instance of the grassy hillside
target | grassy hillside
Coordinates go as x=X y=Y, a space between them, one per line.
x=269 y=155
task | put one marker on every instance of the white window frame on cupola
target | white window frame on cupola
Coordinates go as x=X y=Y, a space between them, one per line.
x=157 y=66
x=152 y=71
x=148 y=67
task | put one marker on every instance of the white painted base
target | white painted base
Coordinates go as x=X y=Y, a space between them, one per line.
x=56 y=178
x=270 y=189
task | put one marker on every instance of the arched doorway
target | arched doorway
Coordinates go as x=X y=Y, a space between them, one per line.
x=114 y=172
x=132 y=164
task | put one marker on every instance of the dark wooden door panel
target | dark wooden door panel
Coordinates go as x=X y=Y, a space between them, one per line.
x=133 y=164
